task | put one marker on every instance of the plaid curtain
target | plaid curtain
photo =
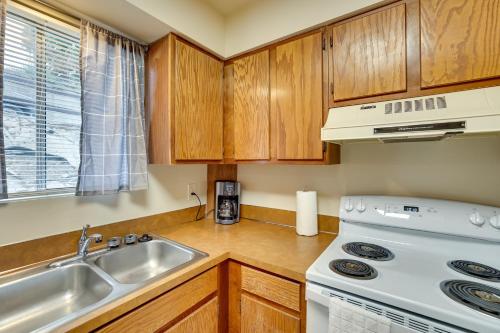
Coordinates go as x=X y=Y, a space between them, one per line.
x=113 y=145
x=3 y=172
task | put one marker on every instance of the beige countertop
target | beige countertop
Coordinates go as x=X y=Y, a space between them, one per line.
x=274 y=248
x=271 y=247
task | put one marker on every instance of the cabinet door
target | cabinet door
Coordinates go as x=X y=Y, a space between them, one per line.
x=159 y=312
x=203 y=320
x=198 y=115
x=460 y=41
x=369 y=54
x=299 y=98
x=251 y=107
x=257 y=316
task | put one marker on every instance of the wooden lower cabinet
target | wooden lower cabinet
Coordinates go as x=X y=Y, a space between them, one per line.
x=230 y=298
x=205 y=320
x=257 y=316
x=263 y=302
x=158 y=314
x=271 y=287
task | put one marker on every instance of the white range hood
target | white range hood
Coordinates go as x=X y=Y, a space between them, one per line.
x=416 y=119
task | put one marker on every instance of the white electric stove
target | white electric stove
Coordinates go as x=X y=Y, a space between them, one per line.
x=428 y=265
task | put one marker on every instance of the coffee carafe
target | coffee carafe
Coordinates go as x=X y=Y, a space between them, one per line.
x=227 y=202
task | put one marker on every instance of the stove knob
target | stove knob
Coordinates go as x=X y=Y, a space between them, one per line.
x=495 y=221
x=348 y=205
x=476 y=219
x=361 y=207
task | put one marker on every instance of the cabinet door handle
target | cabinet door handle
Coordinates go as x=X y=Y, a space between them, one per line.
x=331 y=41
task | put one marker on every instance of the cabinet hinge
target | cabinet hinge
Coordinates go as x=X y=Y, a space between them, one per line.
x=331 y=41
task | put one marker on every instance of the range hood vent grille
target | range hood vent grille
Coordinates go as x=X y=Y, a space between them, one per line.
x=418 y=104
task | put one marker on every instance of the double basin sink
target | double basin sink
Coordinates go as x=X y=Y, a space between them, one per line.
x=44 y=298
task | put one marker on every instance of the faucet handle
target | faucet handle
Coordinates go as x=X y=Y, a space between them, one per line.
x=97 y=238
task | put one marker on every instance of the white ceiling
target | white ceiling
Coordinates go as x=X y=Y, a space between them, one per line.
x=226 y=7
x=117 y=14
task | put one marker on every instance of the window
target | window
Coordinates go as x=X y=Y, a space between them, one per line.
x=42 y=111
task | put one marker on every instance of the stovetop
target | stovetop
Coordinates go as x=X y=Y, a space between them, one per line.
x=418 y=272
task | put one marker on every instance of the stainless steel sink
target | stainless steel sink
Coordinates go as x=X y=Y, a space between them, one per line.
x=37 y=300
x=45 y=297
x=141 y=262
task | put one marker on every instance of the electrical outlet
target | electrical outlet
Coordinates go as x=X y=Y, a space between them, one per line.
x=191 y=188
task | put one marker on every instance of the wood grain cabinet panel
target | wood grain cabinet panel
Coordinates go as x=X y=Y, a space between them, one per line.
x=198 y=109
x=299 y=98
x=257 y=316
x=369 y=54
x=159 y=312
x=203 y=320
x=460 y=41
x=273 y=288
x=251 y=107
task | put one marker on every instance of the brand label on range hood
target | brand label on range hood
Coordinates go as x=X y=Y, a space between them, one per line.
x=420 y=127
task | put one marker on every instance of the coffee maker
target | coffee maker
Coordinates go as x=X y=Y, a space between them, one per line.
x=227 y=202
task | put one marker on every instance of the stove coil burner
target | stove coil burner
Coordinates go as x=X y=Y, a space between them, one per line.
x=476 y=270
x=353 y=268
x=475 y=295
x=368 y=251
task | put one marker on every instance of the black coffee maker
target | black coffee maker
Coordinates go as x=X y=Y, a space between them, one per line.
x=227 y=202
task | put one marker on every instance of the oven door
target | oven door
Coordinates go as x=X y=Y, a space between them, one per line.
x=318 y=299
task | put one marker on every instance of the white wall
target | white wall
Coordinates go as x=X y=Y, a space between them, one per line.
x=459 y=169
x=194 y=19
x=262 y=22
x=32 y=219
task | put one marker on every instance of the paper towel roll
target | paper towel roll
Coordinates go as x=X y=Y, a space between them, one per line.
x=307 y=213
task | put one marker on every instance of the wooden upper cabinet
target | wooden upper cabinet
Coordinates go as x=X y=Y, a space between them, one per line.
x=185 y=101
x=198 y=117
x=460 y=41
x=369 y=54
x=299 y=98
x=251 y=107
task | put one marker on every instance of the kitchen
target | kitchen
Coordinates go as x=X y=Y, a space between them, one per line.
x=385 y=113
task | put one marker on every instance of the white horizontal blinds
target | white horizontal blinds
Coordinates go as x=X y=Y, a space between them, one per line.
x=42 y=108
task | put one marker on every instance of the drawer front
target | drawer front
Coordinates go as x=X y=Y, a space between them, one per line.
x=271 y=287
x=159 y=312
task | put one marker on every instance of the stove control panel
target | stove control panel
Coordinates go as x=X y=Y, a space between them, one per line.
x=441 y=216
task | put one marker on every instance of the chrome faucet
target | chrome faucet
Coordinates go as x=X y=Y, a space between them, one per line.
x=84 y=242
